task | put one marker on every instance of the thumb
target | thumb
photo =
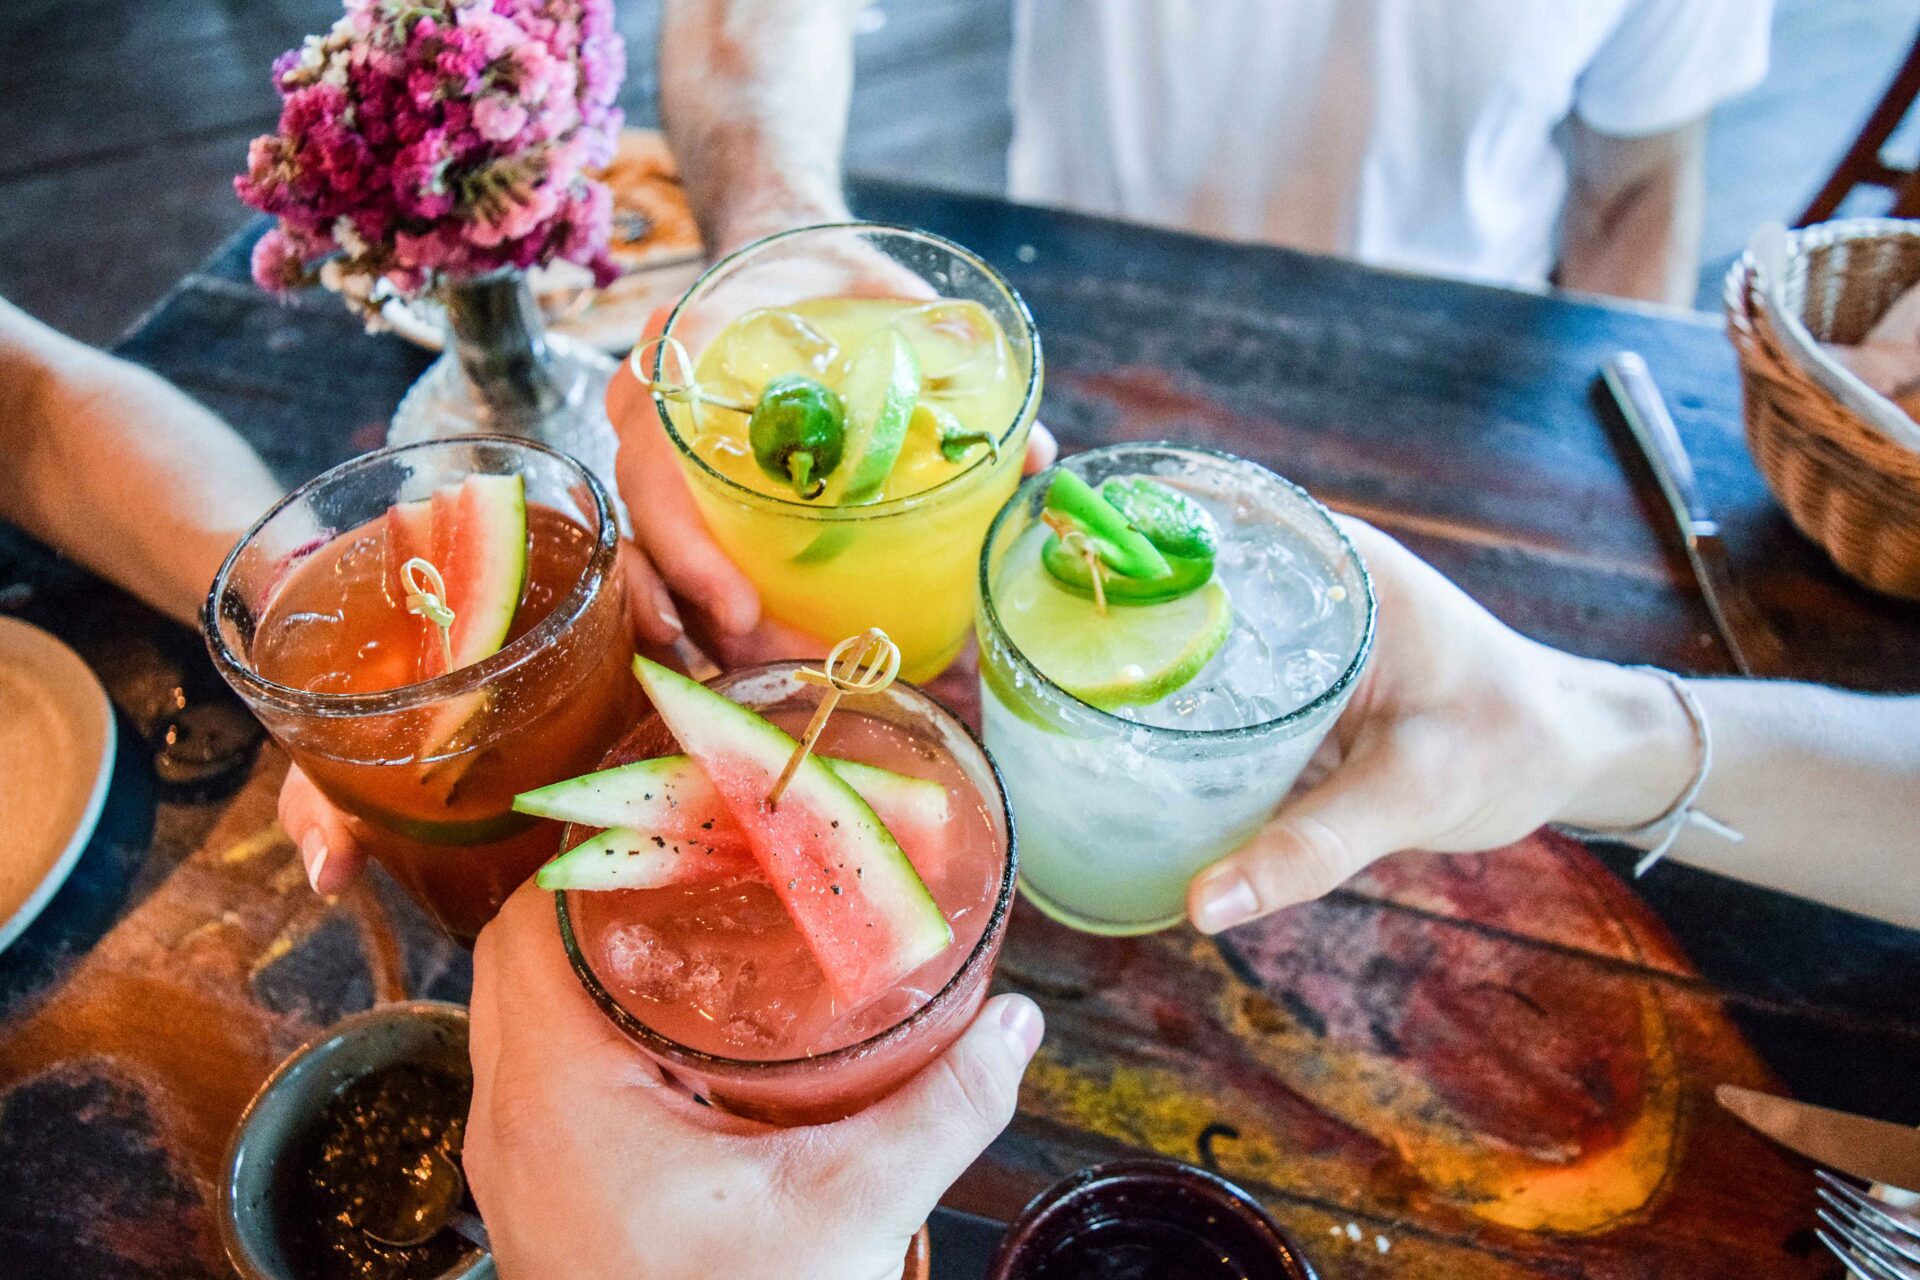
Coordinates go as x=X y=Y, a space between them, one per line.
x=1316 y=841
x=913 y=1144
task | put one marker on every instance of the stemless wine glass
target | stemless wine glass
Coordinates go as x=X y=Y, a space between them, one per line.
x=901 y=1030
x=904 y=565
x=432 y=767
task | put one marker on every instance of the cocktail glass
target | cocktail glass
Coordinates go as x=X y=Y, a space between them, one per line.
x=1117 y=815
x=432 y=767
x=780 y=1074
x=905 y=565
x=1147 y=1217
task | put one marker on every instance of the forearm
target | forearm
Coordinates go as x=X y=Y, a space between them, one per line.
x=114 y=467
x=1634 y=216
x=754 y=94
x=1824 y=786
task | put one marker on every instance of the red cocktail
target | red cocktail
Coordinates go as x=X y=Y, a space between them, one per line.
x=759 y=995
x=427 y=737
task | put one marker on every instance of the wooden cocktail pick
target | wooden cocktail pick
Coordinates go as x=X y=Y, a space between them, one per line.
x=866 y=663
x=688 y=391
x=1076 y=542
x=427 y=597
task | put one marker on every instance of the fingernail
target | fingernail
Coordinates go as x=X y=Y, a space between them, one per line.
x=1020 y=1019
x=314 y=852
x=663 y=609
x=1224 y=903
x=742 y=616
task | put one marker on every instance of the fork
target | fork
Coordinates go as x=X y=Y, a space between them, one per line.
x=1873 y=1239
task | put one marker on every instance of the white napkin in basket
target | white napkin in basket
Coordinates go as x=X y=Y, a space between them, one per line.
x=1771 y=248
x=1888 y=358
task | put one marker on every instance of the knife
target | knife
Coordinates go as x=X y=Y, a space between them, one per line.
x=1752 y=644
x=1872 y=1149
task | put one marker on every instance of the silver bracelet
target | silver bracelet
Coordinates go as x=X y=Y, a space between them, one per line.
x=1659 y=835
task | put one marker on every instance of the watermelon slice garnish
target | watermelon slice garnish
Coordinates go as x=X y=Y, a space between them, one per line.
x=479 y=540
x=624 y=858
x=409 y=536
x=670 y=797
x=474 y=536
x=851 y=892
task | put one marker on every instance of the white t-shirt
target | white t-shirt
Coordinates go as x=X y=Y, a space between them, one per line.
x=1412 y=133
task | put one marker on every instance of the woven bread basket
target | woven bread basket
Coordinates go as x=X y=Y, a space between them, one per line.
x=1844 y=484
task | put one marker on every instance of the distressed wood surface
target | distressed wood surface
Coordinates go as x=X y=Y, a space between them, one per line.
x=1494 y=1066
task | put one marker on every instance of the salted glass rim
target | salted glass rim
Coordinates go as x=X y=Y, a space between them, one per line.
x=594 y=579
x=1021 y=416
x=675 y=1051
x=1120 y=724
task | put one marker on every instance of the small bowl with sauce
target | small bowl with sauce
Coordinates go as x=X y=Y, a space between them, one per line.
x=351 y=1143
x=1144 y=1219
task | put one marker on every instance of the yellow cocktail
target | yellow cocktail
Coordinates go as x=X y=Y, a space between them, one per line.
x=931 y=366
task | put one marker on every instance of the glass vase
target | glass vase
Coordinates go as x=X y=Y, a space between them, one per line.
x=502 y=373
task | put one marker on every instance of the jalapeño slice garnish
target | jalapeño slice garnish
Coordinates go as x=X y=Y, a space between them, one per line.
x=1175 y=529
x=798 y=431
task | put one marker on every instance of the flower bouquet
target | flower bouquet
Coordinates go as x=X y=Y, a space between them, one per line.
x=444 y=147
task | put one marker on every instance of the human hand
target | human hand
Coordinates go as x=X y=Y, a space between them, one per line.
x=331 y=841
x=1462 y=735
x=584 y=1161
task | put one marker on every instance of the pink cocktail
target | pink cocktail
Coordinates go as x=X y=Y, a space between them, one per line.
x=714 y=979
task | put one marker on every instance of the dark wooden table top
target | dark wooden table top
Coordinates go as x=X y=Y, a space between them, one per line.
x=1490 y=1066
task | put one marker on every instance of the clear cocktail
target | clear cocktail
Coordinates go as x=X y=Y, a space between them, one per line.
x=310 y=621
x=1147 y=733
x=921 y=367
x=752 y=980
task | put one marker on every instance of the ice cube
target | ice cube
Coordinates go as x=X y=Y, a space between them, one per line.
x=708 y=984
x=763 y=345
x=1308 y=673
x=644 y=963
x=883 y=1012
x=758 y=1027
x=958 y=345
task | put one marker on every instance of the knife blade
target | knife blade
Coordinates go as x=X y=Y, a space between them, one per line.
x=1876 y=1150
x=1754 y=646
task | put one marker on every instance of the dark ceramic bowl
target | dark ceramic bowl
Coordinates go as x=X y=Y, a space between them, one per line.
x=1090 y=1218
x=422 y=1031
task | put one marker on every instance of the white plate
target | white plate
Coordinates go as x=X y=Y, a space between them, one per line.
x=56 y=758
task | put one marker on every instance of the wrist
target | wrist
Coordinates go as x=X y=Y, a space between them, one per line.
x=749 y=216
x=1635 y=748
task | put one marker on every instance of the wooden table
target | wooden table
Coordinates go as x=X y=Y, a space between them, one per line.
x=1488 y=1066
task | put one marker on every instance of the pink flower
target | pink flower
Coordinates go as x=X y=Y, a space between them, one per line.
x=498 y=119
x=498 y=36
x=276 y=267
x=437 y=140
